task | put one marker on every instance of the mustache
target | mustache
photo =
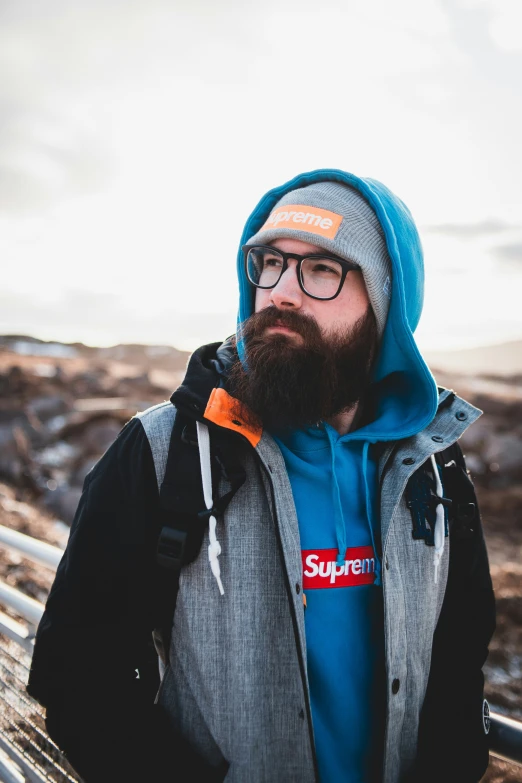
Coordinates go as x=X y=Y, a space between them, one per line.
x=304 y=325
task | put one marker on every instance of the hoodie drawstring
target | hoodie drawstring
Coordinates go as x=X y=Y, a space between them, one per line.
x=439 y=532
x=340 y=528
x=340 y=525
x=214 y=547
x=366 y=446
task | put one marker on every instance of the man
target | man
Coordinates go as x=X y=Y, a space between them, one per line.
x=335 y=621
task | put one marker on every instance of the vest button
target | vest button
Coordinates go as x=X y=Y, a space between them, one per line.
x=297 y=588
x=408 y=461
x=461 y=416
x=437 y=438
x=396 y=684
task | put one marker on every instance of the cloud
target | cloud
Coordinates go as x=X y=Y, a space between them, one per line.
x=74 y=308
x=45 y=157
x=107 y=319
x=504 y=21
x=470 y=230
x=69 y=71
x=511 y=253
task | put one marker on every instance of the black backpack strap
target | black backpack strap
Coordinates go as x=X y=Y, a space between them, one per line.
x=183 y=514
x=459 y=500
x=459 y=488
x=181 y=497
x=457 y=485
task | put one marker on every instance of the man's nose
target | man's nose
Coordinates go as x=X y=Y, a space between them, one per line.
x=287 y=293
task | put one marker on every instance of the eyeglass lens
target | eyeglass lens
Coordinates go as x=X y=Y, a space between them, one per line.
x=321 y=277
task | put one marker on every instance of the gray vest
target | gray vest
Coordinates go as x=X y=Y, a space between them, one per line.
x=236 y=683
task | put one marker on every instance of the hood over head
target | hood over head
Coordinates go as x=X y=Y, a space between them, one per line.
x=380 y=239
x=339 y=220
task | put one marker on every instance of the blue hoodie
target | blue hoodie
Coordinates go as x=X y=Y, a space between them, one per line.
x=335 y=488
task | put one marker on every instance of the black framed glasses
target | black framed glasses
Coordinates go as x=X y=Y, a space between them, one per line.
x=319 y=275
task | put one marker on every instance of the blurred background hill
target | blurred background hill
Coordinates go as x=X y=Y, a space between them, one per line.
x=503 y=360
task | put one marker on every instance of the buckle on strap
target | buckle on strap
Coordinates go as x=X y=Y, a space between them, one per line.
x=437 y=501
x=171 y=548
x=207 y=513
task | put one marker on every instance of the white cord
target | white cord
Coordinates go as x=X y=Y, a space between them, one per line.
x=214 y=547
x=439 y=532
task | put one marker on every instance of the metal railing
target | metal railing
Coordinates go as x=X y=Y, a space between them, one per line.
x=24 y=606
x=27 y=753
x=15 y=761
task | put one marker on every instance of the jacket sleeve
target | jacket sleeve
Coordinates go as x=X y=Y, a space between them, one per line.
x=94 y=667
x=453 y=745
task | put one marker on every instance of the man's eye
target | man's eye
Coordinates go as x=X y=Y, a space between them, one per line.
x=272 y=262
x=323 y=267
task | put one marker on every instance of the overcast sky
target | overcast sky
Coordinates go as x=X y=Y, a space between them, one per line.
x=137 y=135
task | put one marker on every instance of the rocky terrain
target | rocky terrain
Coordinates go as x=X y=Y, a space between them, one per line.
x=61 y=406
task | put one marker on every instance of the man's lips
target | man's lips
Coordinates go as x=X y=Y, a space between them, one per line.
x=282 y=329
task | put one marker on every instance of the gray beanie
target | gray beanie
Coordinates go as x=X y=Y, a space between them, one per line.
x=341 y=222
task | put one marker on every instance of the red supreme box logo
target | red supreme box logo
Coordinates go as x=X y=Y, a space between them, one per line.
x=320 y=568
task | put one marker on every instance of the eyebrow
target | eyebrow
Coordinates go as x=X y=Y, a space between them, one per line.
x=315 y=253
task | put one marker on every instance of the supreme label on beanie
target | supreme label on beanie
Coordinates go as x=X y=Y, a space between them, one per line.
x=311 y=219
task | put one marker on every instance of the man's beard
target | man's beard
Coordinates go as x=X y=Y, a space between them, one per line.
x=290 y=384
